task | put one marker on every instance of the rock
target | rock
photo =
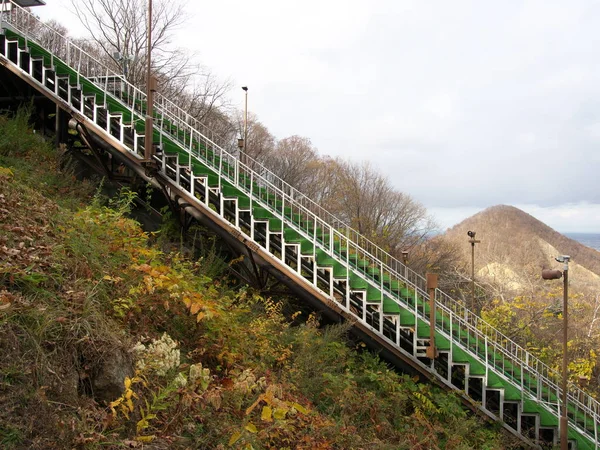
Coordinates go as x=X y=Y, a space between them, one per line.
x=107 y=381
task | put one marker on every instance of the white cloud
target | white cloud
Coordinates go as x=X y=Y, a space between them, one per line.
x=463 y=104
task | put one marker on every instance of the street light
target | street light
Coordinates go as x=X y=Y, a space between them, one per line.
x=555 y=274
x=472 y=241
x=245 y=89
x=123 y=61
x=405 y=260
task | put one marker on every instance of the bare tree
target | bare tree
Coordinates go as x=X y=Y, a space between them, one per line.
x=205 y=95
x=261 y=143
x=370 y=204
x=293 y=160
x=119 y=28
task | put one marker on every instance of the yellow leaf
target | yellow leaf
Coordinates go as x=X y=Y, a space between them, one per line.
x=195 y=308
x=130 y=404
x=280 y=413
x=300 y=408
x=266 y=414
x=125 y=411
x=127 y=382
x=187 y=302
x=236 y=436
x=200 y=316
x=251 y=427
x=149 y=438
x=142 y=425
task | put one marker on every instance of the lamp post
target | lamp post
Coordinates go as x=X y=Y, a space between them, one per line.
x=472 y=241
x=123 y=60
x=405 y=261
x=150 y=88
x=245 y=89
x=555 y=274
x=241 y=141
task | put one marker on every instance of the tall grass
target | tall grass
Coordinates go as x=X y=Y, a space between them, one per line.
x=16 y=134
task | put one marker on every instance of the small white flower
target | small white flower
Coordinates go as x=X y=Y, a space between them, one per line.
x=180 y=380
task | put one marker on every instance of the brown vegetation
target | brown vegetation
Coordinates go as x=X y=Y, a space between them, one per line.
x=215 y=365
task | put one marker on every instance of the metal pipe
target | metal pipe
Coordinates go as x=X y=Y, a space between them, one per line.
x=473 y=241
x=149 y=131
x=472 y=273
x=549 y=274
x=245 y=88
x=564 y=420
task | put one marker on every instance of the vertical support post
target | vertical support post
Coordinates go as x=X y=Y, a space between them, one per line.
x=473 y=307
x=150 y=88
x=472 y=273
x=564 y=421
x=432 y=283
x=245 y=157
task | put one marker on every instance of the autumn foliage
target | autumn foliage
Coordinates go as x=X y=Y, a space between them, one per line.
x=205 y=363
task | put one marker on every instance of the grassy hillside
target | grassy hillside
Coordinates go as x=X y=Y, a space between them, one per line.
x=107 y=342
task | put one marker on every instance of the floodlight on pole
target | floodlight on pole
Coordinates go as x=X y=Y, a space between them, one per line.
x=555 y=274
x=472 y=241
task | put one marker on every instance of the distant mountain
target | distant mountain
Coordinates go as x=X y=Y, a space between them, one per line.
x=515 y=247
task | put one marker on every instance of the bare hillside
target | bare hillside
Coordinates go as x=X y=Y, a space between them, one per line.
x=515 y=247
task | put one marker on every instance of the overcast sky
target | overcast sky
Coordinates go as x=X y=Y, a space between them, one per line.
x=463 y=104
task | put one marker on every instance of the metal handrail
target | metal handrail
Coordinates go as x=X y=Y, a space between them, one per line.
x=340 y=232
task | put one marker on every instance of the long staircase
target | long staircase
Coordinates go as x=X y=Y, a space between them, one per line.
x=288 y=233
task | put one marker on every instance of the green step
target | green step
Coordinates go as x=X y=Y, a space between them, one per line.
x=306 y=247
x=261 y=213
x=461 y=357
x=275 y=224
x=390 y=306
x=373 y=294
x=547 y=419
x=291 y=235
x=230 y=191
x=407 y=318
x=357 y=282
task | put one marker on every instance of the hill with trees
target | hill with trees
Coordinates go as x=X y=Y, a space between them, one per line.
x=515 y=247
x=513 y=297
